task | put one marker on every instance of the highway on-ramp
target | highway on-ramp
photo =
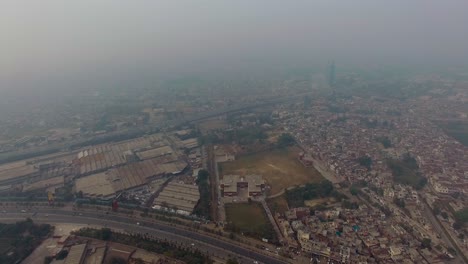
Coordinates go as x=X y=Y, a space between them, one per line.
x=207 y=244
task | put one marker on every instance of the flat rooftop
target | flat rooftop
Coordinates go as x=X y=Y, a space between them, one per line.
x=154 y=153
x=125 y=177
x=182 y=196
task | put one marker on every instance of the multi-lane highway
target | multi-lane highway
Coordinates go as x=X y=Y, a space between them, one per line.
x=207 y=244
x=138 y=131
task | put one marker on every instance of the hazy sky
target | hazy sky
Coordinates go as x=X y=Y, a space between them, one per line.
x=77 y=43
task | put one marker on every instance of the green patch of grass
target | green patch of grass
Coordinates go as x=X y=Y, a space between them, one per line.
x=249 y=219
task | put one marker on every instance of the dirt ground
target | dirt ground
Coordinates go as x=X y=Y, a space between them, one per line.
x=280 y=168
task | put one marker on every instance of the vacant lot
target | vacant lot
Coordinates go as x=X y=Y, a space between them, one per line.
x=280 y=168
x=249 y=219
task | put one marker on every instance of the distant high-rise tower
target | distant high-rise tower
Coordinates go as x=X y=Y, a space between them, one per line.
x=331 y=77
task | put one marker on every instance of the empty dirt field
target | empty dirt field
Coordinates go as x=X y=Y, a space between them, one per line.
x=280 y=168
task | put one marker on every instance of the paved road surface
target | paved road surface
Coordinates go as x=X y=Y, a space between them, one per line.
x=206 y=244
x=459 y=258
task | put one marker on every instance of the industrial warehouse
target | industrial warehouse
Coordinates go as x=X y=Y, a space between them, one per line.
x=136 y=167
x=108 y=170
x=179 y=197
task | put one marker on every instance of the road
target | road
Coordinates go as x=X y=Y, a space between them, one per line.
x=138 y=131
x=214 y=183
x=210 y=245
x=460 y=257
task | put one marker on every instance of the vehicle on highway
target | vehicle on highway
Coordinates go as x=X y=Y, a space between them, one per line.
x=23 y=211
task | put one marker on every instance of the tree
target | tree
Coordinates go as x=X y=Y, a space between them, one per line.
x=354 y=191
x=117 y=260
x=106 y=233
x=232 y=261
x=48 y=259
x=444 y=215
x=457 y=225
x=365 y=161
x=203 y=206
x=399 y=202
x=62 y=255
x=285 y=140
x=426 y=243
x=385 y=141
x=462 y=216
x=452 y=251
x=139 y=261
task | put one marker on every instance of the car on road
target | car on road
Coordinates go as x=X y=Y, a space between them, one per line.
x=23 y=211
x=138 y=223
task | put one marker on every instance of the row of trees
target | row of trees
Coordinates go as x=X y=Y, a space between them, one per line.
x=192 y=256
x=203 y=207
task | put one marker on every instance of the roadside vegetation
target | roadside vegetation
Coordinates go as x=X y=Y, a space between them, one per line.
x=202 y=209
x=191 y=256
x=18 y=240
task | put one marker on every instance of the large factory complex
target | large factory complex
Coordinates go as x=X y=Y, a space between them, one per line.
x=104 y=171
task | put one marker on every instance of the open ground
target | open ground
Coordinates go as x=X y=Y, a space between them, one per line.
x=280 y=168
x=249 y=219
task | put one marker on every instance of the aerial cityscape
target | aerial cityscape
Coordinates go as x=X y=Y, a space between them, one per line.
x=212 y=154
